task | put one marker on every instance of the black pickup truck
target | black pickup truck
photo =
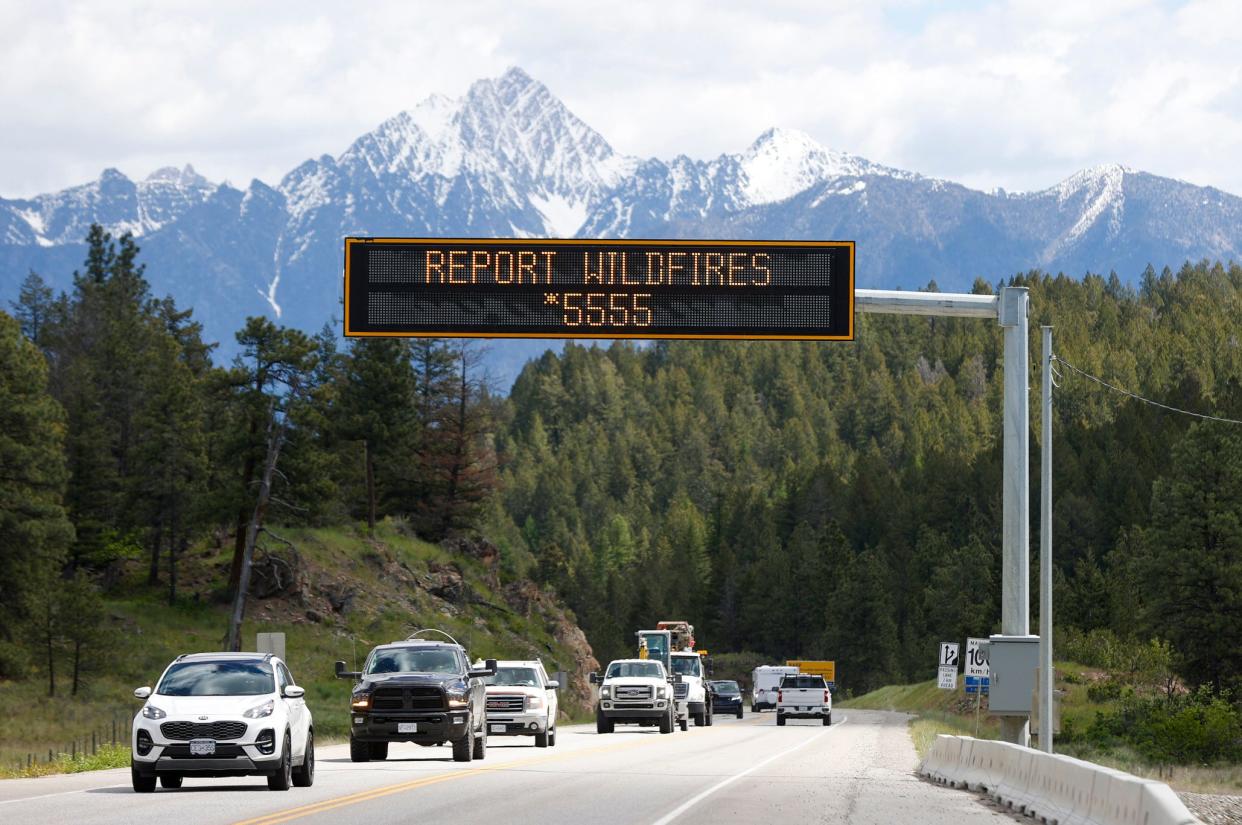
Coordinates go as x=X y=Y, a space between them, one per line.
x=417 y=691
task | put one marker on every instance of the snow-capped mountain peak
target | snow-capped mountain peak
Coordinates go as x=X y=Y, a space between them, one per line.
x=783 y=162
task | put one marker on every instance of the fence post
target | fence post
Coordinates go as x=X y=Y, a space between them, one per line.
x=92 y=743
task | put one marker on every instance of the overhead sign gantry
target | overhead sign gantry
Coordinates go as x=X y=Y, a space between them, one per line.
x=501 y=288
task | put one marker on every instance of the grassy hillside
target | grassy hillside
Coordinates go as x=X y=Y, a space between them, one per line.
x=340 y=592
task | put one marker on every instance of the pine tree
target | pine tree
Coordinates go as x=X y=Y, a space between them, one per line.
x=35 y=532
x=1193 y=564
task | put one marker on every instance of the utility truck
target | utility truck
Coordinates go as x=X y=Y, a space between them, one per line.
x=672 y=643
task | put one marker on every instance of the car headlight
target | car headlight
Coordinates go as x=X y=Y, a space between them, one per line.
x=458 y=700
x=605 y=692
x=152 y=712
x=534 y=702
x=662 y=692
x=360 y=701
x=260 y=711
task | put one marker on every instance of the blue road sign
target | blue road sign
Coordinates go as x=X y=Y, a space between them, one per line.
x=974 y=683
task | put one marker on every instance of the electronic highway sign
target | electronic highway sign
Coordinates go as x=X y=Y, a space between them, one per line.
x=505 y=288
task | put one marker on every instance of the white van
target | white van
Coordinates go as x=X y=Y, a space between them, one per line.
x=765 y=682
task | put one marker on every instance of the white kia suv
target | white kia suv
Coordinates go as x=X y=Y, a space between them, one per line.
x=223 y=714
x=521 y=701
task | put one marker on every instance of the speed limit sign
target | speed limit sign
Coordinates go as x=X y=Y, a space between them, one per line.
x=977 y=663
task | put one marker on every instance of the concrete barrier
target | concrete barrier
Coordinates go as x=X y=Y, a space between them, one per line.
x=942 y=759
x=1160 y=806
x=1057 y=789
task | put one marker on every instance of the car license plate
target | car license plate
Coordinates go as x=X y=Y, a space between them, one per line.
x=202 y=747
x=498 y=728
x=407 y=727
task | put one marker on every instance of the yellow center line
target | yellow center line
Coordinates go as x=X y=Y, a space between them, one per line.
x=376 y=793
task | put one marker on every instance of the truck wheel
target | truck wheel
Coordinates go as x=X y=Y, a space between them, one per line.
x=463 y=748
x=739 y=711
x=480 y=745
x=552 y=738
x=666 y=723
x=828 y=720
x=710 y=715
x=780 y=720
x=541 y=739
x=170 y=780
x=602 y=723
x=359 y=751
x=684 y=724
x=379 y=750
x=700 y=719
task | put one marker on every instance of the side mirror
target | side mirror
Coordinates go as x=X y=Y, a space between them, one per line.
x=553 y=685
x=595 y=680
x=293 y=692
x=342 y=673
x=488 y=669
x=142 y=692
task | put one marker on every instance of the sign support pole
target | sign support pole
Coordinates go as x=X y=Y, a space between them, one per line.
x=1015 y=557
x=1010 y=308
x=1045 y=552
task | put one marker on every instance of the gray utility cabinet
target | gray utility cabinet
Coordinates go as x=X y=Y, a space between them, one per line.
x=1014 y=661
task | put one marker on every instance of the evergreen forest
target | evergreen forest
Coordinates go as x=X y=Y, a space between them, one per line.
x=793 y=500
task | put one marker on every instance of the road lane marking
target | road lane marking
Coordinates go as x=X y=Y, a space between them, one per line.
x=690 y=803
x=376 y=793
x=58 y=793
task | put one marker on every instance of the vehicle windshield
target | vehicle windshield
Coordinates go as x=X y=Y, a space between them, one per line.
x=727 y=688
x=514 y=677
x=217 y=679
x=413 y=660
x=644 y=670
x=657 y=645
x=686 y=665
x=804 y=682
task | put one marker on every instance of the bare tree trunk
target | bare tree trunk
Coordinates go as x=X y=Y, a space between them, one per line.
x=172 y=553
x=276 y=439
x=153 y=573
x=370 y=462
x=51 y=658
x=77 y=659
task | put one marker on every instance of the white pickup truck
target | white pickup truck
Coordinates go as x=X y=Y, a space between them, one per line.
x=803 y=696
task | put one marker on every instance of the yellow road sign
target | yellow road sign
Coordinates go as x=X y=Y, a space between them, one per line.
x=817 y=668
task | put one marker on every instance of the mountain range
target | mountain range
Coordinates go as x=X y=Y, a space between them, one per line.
x=509 y=159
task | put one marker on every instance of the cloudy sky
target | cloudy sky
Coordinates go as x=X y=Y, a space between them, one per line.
x=1016 y=94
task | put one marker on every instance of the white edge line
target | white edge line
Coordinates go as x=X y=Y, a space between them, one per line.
x=690 y=803
x=57 y=793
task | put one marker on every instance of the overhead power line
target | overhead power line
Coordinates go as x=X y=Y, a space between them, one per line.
x=1137 y=397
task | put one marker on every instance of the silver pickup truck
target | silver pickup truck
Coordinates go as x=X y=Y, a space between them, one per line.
x=803 y=696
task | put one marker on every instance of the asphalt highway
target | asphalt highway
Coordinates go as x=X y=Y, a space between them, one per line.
x=859 y=770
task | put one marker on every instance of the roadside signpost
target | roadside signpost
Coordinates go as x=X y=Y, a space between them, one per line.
x=977 y=658
x=947 y=673
x=978 y=673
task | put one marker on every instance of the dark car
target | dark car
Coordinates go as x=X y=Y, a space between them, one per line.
x=419 y=691
x=727 y=697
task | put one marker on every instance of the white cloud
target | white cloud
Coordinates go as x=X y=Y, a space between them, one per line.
x=1016 y=94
